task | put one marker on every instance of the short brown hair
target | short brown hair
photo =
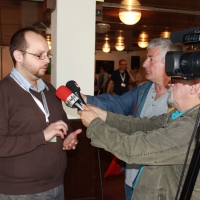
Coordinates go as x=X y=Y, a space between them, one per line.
x=18 y=41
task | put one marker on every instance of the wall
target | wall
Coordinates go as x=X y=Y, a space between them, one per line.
x=6 y=62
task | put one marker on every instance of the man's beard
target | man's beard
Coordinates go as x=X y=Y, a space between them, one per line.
x=170 y=100
x=31 y=69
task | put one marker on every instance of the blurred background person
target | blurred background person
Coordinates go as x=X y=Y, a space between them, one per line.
x=137 y=75
x=103 y=80
x=120 y=79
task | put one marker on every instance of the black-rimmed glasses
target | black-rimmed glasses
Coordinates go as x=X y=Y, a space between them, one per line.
x=41 y=56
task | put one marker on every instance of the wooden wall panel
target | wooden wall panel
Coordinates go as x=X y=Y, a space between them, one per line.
x=79 y=180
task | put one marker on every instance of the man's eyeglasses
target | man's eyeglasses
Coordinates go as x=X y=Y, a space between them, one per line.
x=177 y=80
x=41 y=56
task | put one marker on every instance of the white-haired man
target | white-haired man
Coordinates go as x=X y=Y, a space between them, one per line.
x=147 y=100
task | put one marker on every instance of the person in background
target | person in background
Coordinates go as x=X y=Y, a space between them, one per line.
x=96 y=88
x=120 y=79
x=33 y=125
x=160 y=144
x=137 y=75
x=146 y=100
x=103 y=80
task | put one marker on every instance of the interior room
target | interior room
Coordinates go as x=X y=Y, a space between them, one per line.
x=81 y=34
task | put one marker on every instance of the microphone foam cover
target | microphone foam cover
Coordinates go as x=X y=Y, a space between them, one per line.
x=73 y=86
x=63 y=93
x=177 y=36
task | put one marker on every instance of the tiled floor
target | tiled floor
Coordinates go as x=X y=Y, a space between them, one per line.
x=113 y=186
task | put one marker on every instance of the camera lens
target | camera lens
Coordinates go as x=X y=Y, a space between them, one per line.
x=190 y=63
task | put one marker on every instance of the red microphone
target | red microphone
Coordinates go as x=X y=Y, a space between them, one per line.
x=66 y=95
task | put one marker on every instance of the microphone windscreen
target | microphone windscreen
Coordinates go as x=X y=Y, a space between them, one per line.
x=177 y=36
x=73 y=86
x=63 y=93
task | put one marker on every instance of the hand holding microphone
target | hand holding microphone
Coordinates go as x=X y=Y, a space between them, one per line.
x=87 y=115
x=66 y=95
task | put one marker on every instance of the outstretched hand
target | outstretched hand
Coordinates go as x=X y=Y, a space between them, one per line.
x=71 y=140
x=101 y=113
x=91 y=112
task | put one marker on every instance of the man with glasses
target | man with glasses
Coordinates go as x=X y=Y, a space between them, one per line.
x=119 y=79
x=33 y=125
x=158 y=143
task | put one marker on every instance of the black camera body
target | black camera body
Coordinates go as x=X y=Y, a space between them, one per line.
x=180 y=63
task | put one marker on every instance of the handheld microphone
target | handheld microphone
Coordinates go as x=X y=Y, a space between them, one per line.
x=74 y=87
x=66 y=95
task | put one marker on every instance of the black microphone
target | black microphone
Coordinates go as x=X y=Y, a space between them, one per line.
x=74 y=87
x=186 y=36
x=66 y=95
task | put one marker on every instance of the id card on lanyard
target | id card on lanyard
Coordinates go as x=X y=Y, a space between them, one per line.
x=123 y=79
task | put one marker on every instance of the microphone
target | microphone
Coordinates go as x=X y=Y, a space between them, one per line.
x=74 y=87
x=66 y=95
x=182 y=36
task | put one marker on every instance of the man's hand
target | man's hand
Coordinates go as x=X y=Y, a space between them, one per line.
x=58 y=128
x=71 y=140
x=101 y=113
x=87 y=115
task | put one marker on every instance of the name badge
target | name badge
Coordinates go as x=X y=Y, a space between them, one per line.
x=123 y=84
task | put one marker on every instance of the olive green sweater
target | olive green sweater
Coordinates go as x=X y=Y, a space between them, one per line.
x=158 y=143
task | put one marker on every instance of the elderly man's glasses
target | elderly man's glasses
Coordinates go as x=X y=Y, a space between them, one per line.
x=41 y=56
x=177 y=80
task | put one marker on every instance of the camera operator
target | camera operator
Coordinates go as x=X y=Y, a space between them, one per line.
x=162 y=151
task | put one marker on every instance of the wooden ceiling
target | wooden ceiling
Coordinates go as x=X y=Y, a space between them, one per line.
x=157 y=17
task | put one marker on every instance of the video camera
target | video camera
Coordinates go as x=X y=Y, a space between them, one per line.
x=180 y=63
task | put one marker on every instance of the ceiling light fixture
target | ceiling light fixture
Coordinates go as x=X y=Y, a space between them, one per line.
x=143 y=44
x=48 y=39
x=119 y=46
x=165 y=34
x=106 y=46
x=102 y=28
x=129 y=17
x=143 y=40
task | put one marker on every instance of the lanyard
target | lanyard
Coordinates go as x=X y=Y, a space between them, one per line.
x=122 y=77
x=44 y=108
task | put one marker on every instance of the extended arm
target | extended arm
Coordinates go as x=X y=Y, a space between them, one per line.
x=110 y=84
x=132 y=78
x=118 y=104
x=162 y=146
